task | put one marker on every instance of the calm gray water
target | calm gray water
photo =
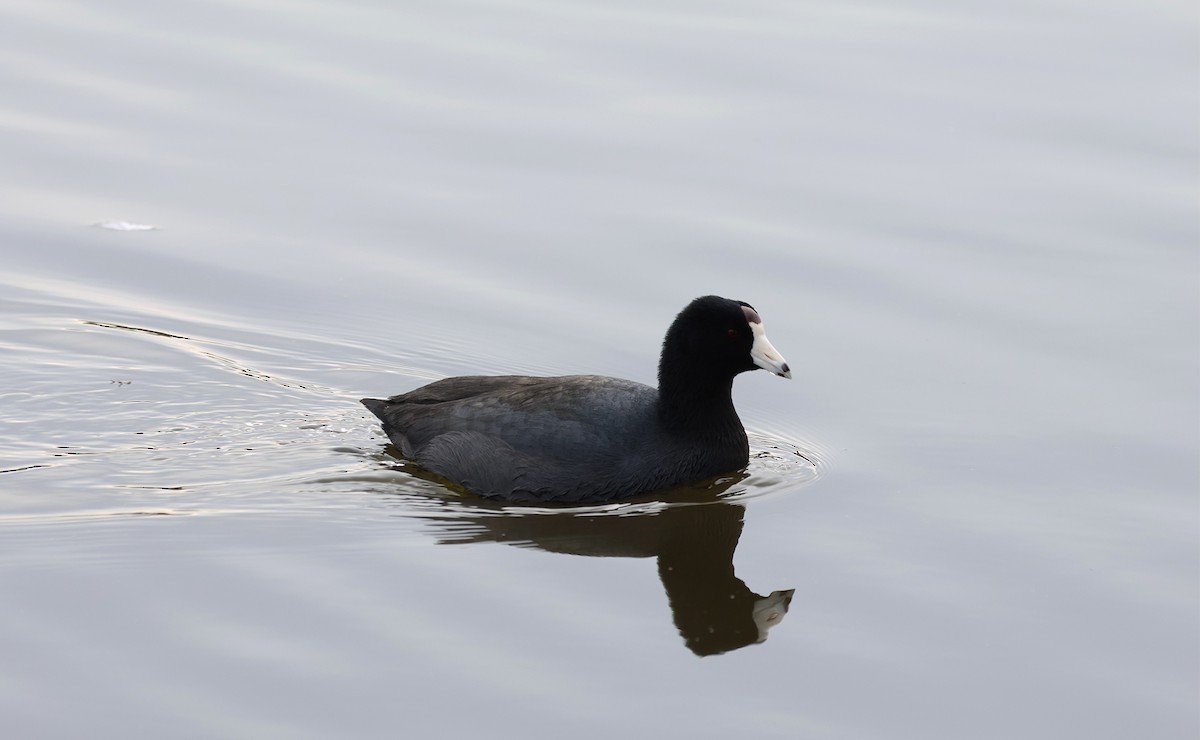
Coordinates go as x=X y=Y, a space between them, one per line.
x=971 y=228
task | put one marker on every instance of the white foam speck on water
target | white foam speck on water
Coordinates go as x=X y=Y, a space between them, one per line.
x=124 y=226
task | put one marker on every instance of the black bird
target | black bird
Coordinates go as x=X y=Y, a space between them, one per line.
x=589 y=438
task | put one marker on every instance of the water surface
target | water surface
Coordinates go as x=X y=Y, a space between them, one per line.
x=972 y=231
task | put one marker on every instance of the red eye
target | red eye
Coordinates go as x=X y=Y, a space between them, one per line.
x=733 y=333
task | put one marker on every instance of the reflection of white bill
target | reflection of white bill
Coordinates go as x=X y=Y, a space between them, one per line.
x=770 y=610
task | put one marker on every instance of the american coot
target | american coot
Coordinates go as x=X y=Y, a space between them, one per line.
x=587 y=438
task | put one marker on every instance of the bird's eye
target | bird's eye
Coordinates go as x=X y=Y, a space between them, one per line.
x=732 y=333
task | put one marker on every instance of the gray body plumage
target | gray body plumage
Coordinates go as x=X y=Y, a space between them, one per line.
x=569 y=439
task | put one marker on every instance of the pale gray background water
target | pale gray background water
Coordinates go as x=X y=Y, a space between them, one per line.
x=971 y=228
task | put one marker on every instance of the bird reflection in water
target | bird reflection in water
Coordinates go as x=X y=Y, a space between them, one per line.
x=693 y=535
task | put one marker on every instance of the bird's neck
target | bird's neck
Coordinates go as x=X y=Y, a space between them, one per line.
x=693 y=405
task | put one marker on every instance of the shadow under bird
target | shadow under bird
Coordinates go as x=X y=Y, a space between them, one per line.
x=589 y=438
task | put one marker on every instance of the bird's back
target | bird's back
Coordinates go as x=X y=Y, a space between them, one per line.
x=572 y=438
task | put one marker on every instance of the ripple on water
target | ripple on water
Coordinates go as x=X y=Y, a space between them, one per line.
x=779 y=464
